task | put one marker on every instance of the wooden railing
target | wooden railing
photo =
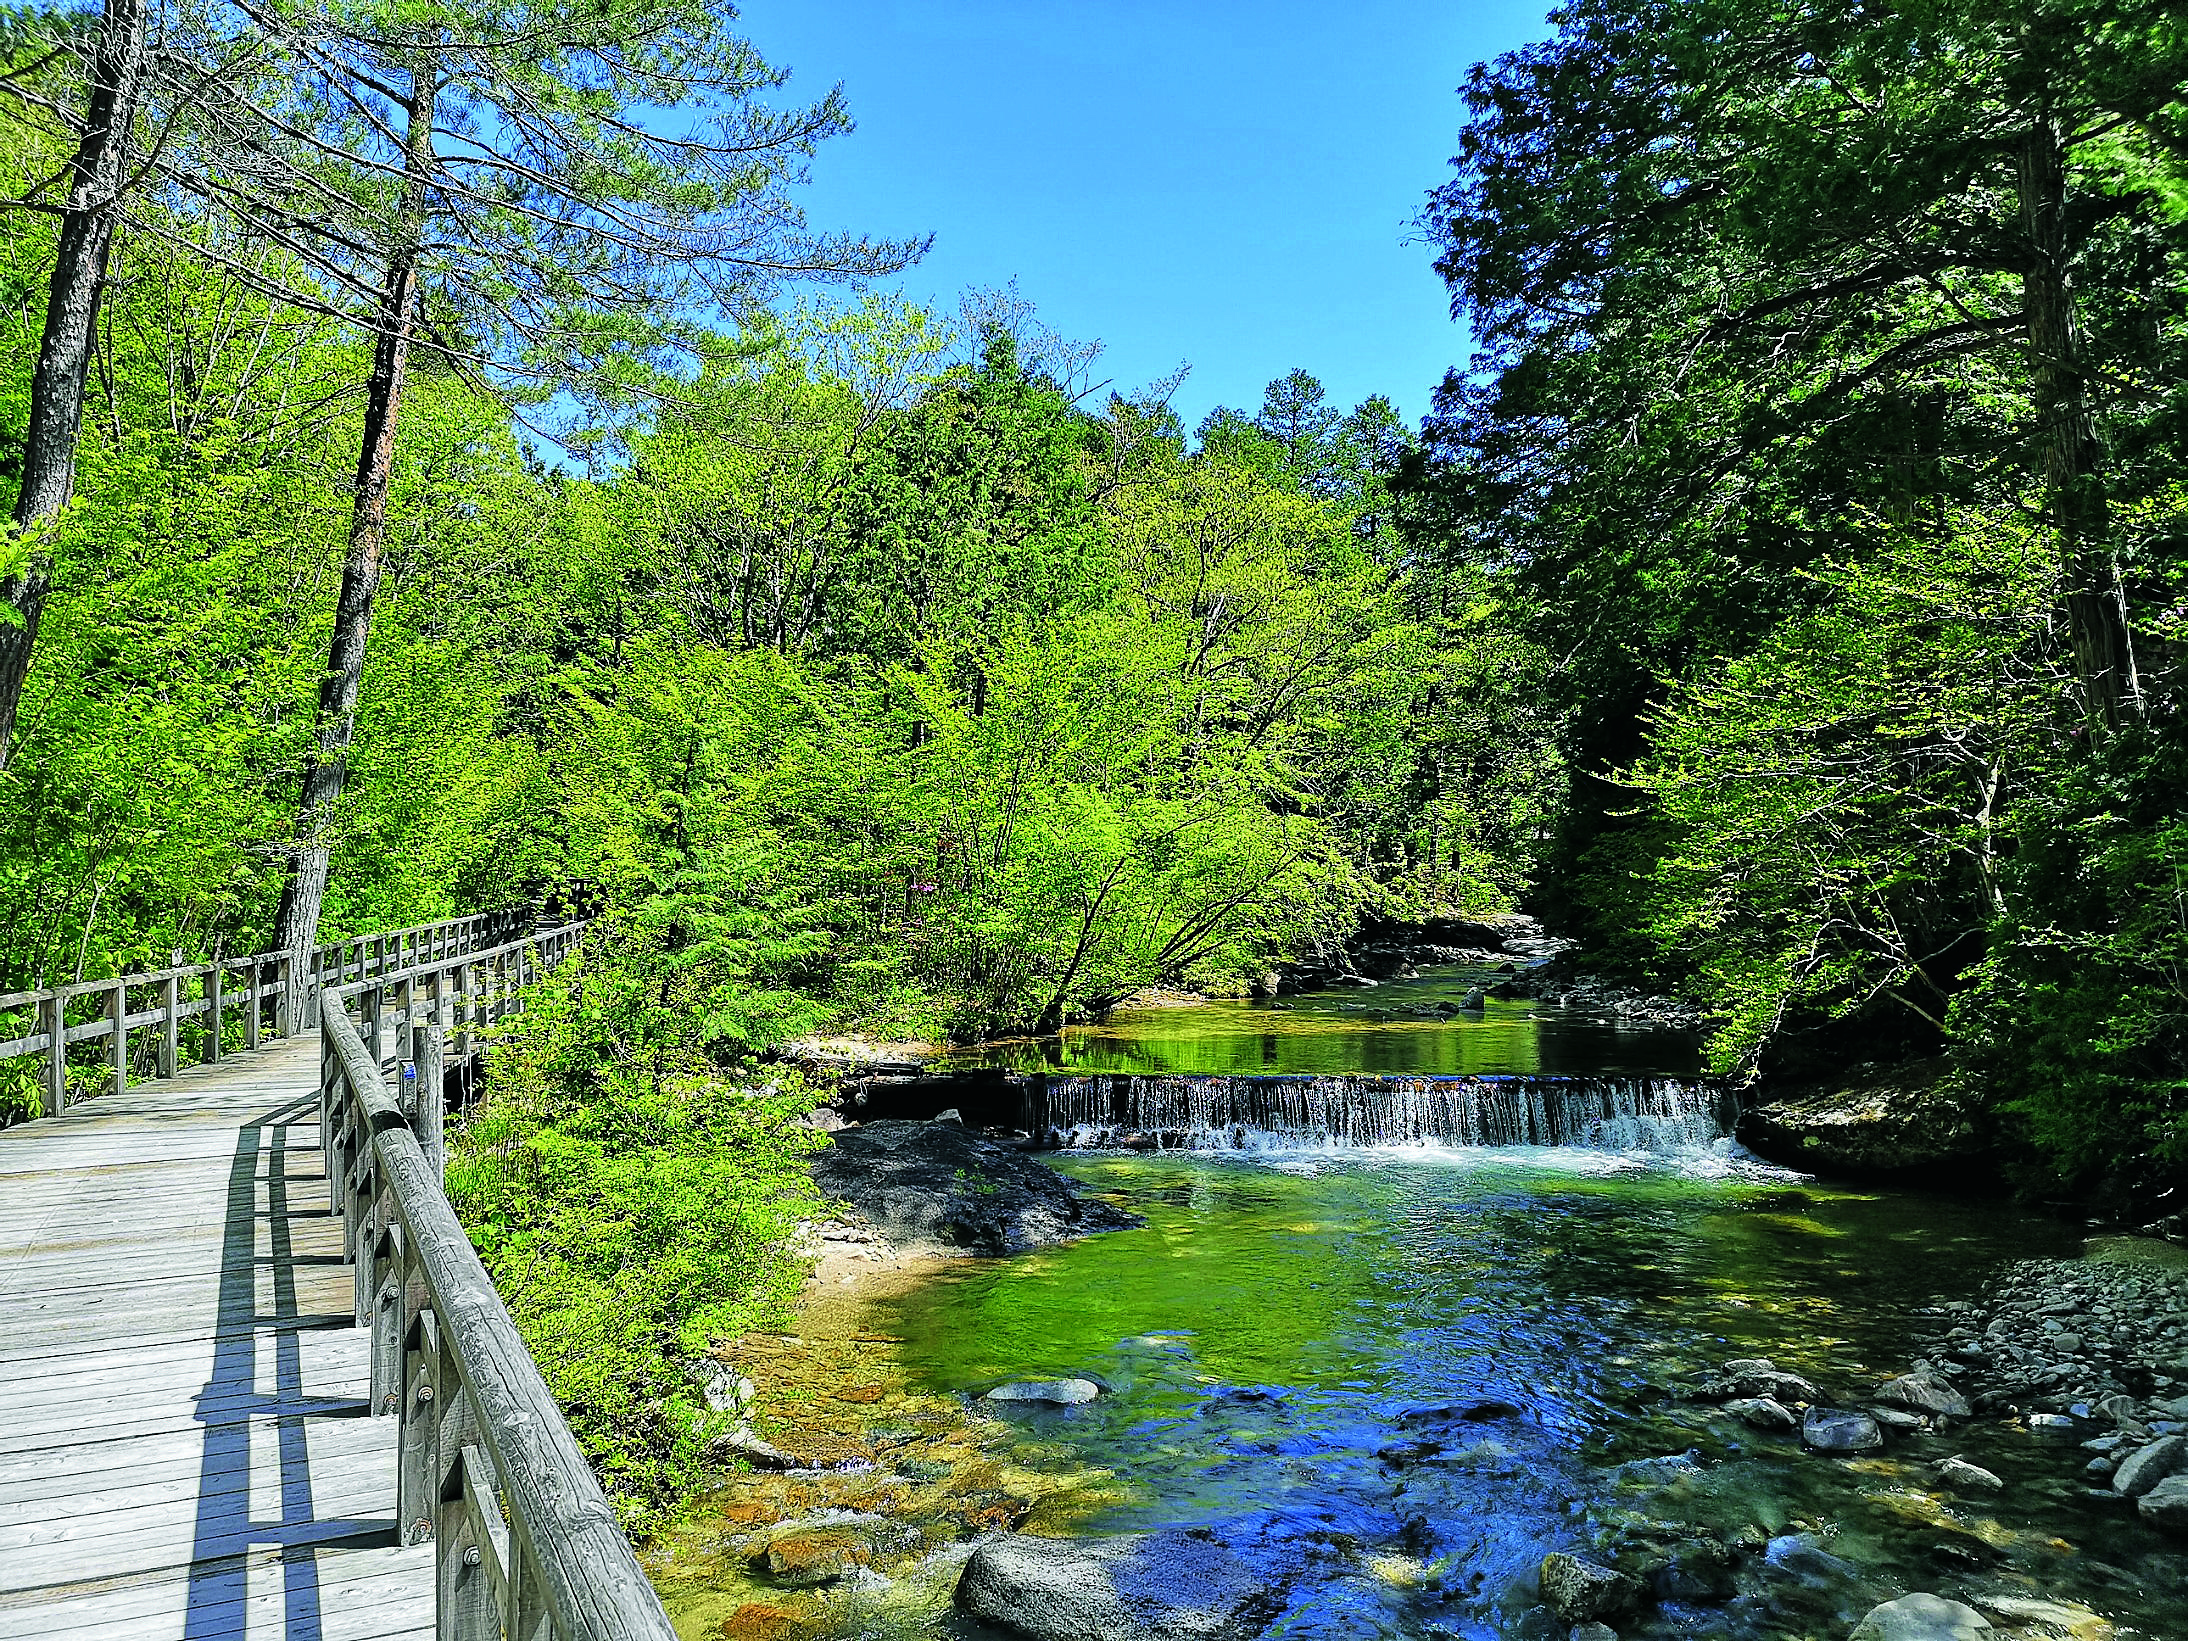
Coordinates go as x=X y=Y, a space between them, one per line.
x=526 y=1544
x=229 y=1004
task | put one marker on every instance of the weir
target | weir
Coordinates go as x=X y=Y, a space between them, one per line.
x=1232 y=1113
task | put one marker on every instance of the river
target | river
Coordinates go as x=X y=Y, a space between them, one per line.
x=1392 y=1379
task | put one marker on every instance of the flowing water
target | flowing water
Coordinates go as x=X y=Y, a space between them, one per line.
x=1395 y=1338
x=1282 y=1341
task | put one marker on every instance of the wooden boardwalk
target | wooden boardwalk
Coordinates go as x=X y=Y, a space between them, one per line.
x=185 y=1446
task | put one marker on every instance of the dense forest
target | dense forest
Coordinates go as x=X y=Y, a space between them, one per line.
x=449 y=474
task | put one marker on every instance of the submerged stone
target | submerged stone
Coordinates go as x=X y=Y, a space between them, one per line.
x=1840 y=1430
x=1922 y=1617
x=1154 y=1587
x=1055 y=1392
x=1763 y=1412
x=1957 y=1472
x=1577 y=1590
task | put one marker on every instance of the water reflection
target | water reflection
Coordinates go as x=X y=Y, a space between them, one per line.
x=1403 y=1026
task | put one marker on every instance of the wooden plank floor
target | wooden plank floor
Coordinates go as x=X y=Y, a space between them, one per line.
x=185 y=1449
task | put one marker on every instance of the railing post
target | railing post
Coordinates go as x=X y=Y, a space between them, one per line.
x=461 y=1004
x=426 y=1054
x=121 y=1036
x=258 y=997
x=170 y=1037
x=375 y=1037
x=56 y=1011
x=214 y=1008
x=417 y=1445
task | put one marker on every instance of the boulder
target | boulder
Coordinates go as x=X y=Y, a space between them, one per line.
x=1153 y=1587
x=1922 y=1618
x=1925 y=1393
x=1840 y=1430
x=1762 y=1412
x=1880 y=1121
x=1594 y=1632
x=1578 y=1591
x=940 y=1185
x=1957 y=1472
x=1056 y=1392
x=2144 y=1468
x=2166 y=1505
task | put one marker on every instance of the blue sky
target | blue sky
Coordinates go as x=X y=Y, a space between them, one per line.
x=1209 y=182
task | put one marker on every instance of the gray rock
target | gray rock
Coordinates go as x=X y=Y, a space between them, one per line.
x=2166 y=1505
x=1897 y=1418
x=941 y=1184
x=719 y=1383
x=1921 y=1618
x=1579 y=1591
x=1840 y=1430
x=1057 y=1392
x=1925 y=1393
x=1155 y=1587
x=1957 y=1472
x=1762 y=1412
x=2144 y=1468
x=1594 y=1632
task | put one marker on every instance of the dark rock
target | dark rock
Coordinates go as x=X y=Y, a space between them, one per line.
x=1762 y=1412
x=944 y=1185
x=1157 y=1587
x=1483 y=1410
x=1699 y=1569
x=2166 y=1505
x=1578 y=1591
x=1840 y=1430
x=1889 y=1121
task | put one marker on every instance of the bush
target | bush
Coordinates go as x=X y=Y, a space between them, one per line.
x=633 y=1182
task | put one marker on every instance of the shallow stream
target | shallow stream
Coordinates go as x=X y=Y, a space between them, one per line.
x=1392 y=1380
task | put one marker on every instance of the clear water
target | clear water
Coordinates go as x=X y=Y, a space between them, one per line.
x=1397 y=1027
x=1264 y=1337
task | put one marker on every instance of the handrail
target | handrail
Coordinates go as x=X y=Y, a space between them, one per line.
x=269 y=1003
x=526 y=1543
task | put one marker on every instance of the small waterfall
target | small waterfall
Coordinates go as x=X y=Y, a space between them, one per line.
x=1291 y=1113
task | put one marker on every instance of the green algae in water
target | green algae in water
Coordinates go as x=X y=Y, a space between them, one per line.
x=1310 y=1356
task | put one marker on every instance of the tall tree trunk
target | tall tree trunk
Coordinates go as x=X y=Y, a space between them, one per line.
x=297 y=925
x=96 y=175
x=2067 y=442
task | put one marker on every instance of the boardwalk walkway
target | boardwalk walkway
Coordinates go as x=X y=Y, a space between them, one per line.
x=185 y=1451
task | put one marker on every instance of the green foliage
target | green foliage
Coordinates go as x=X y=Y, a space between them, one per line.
x=1788 y=315
x=632 y=1185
